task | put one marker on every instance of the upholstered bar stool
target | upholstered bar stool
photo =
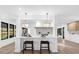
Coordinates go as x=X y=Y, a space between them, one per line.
x=44 y=47
x=25 y=46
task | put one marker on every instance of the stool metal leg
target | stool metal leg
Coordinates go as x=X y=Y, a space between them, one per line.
x=48 y=48
x=40 y=48
x=32 y=49
x=23 y=48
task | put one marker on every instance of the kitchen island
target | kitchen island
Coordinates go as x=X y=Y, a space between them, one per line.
x=36 y=40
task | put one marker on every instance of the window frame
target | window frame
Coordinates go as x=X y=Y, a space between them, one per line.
x=11 y=25
x=2 y=26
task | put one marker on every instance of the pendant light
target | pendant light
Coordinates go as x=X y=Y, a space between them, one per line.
x=47 y=15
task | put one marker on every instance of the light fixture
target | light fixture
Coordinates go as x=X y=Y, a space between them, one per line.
x=25 y=13
x=20 y=8
x=47 y=15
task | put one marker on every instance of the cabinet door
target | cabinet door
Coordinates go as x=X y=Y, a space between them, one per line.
x=77 y=26
x=72 y=26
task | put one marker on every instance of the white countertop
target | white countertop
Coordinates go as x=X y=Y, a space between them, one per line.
x=38 y=37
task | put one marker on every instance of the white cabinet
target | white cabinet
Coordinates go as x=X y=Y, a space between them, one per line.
x=44 y=30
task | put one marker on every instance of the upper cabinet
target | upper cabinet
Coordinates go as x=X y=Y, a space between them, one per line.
x=45 y=23
x=73 y=26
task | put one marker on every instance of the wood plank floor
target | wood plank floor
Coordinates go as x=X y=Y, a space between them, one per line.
x=64 y=47
x=68 y=47
x=9 y=49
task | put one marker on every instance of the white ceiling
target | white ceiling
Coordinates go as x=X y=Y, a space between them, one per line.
x=41 y=9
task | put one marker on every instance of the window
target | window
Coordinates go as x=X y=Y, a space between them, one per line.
x=7 y=30
x=4 y=30
x=11 y=30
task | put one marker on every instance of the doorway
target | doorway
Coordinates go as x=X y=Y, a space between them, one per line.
x=60 y=33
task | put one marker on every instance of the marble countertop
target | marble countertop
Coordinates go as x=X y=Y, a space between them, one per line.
x=38 y=37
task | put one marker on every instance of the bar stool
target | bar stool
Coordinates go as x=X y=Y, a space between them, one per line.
x=25 y=45
x=42 y=47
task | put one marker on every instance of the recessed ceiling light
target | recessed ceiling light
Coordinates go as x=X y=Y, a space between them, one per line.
x=20 y=8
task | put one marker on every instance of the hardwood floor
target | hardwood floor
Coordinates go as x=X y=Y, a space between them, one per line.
x=68 y=47
x=35 y=52
x=9 y=49
x=64 y=47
